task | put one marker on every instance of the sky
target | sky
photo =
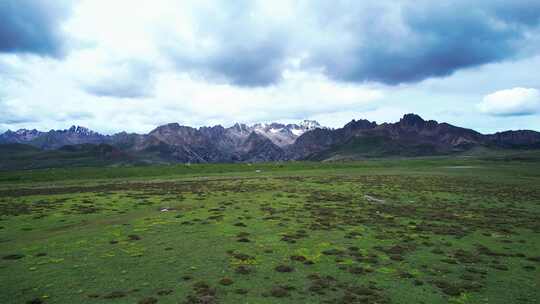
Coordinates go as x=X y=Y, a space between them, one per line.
x=128 y=65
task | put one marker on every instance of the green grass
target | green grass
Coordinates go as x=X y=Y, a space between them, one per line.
x=431 y=230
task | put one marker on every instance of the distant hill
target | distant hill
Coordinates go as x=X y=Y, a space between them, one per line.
x=410 y=136
x=22 y=156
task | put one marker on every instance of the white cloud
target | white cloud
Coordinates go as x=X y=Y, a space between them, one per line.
x=512 y=102
x=48 y=94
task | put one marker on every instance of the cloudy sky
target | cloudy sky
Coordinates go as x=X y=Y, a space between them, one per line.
x=115 y=65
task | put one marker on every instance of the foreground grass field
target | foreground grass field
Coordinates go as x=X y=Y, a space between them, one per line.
x=395 y=231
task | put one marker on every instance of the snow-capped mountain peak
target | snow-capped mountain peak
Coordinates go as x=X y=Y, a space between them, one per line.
x=310 y=124
x=81 y=130
x=283 y=135
x=280 y=134
x=273 y=130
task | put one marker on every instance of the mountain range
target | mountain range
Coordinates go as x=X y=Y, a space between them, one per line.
x=308 y=140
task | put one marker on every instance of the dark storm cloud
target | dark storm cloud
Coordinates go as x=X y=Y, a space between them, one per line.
x=516 y=12
x=245 y=51
x=389 y=42
x=31 y=26
x=247 y=66
x=439 y=40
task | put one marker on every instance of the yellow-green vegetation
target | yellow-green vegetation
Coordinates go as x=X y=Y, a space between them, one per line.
x=434 y=230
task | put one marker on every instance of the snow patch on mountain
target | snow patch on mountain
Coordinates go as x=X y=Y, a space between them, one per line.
x=285 y=134
x=297 y=132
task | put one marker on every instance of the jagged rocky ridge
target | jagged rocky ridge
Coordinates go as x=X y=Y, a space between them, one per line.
x=176 y=143
x=411 y=136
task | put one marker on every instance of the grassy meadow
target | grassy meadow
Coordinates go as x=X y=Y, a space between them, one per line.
x=434 y=230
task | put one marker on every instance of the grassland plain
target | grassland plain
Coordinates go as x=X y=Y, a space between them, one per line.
x=438 y=230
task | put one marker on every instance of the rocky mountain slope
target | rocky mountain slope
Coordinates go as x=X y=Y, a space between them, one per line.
x=410 y=136
x=173 y=142
x=53 y=139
